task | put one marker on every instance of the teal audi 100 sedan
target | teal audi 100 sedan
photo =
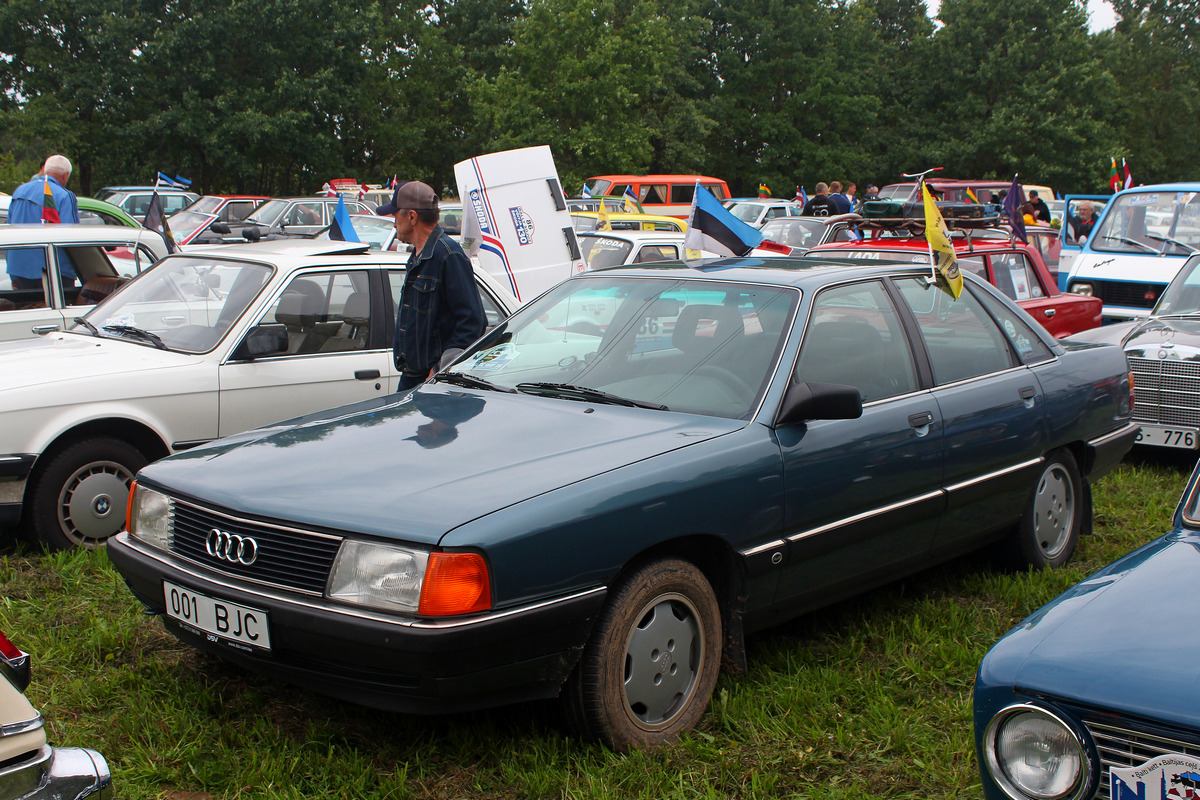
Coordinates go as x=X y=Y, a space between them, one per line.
x=601 y=497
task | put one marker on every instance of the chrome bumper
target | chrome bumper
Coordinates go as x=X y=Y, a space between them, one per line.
x=64 y=773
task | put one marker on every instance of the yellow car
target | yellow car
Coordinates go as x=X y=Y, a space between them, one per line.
x=589 y=220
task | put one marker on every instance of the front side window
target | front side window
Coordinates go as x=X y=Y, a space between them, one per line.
x=694 y=346
x=305 y=214
x=855 y=337
x=961 y=338
x=491 y=309
x=325 y=312
x=184 y=303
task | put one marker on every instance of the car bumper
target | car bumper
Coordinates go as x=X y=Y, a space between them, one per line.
x=14 y=473
x=49 y=773
x=1105 y=452
x=371 y=658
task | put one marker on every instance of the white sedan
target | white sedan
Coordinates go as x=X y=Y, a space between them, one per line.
x=206 y=344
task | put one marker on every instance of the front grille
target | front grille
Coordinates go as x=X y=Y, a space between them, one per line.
x=1122 y=747
x=1166 y=391
x=1124 y=293
x=286 y=557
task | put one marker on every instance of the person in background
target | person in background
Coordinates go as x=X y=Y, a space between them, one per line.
x=27 y=206
x=1081 y=226
x=439 y=308
x=872 y=193
x=840 y=204
x=851 y=188
x=1041 y=211
x=819 y=205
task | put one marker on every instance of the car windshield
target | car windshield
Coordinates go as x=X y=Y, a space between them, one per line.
x=604 y=251
x=746 y=212
x=1150 y=223
x=795 y=231
x=184 y=224
x=695 y=346
x=206 y=205
x=1182 y=297
x=268 y=213
x=375 y=231
x=188 y=303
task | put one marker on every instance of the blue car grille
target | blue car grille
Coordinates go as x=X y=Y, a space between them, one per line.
x=1124 y=747
x=284 y=557
x=1166 y=392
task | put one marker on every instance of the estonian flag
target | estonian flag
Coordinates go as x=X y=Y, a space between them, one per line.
x=342 y=228
x=156 y=221
x=712 y=227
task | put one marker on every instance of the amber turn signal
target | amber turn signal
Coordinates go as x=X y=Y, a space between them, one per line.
x=455 y=583
x=129 y=503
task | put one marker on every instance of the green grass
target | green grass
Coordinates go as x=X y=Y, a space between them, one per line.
x=868 y=699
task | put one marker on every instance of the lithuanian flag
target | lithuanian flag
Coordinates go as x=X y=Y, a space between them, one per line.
x=941 y=251
x=971 y=196
x=49 y=209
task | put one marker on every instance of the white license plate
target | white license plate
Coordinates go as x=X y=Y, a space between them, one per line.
x=219 y=620
x=1163 y=436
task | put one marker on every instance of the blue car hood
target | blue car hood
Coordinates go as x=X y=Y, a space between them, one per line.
x=1122 y=640
x=416 y=468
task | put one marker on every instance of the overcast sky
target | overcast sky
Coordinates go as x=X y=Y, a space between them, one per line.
x=1100 y=13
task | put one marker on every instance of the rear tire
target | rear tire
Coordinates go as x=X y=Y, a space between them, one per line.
x=648 y=670
x=80 y=494
x=1053 y=517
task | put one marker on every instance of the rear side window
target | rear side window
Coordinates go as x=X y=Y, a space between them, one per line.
x=962 y=339
x=683 y=193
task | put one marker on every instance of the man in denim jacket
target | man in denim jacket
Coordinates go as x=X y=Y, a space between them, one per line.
x=439 y=306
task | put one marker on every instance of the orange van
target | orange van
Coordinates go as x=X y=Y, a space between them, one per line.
x=668 y=195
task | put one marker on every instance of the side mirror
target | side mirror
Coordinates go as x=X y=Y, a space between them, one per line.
x=251 y=234
x=220 y=227
x=809 y=401
x=262 y=340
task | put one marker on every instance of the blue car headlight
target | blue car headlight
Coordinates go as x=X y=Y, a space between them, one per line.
x=1033 y=754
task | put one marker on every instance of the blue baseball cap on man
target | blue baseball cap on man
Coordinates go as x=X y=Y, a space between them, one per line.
x=410 y=194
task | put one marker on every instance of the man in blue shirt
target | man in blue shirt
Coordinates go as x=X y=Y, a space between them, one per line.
x=25 y=266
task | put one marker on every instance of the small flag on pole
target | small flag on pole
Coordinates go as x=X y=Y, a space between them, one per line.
x=181 y=182
x=603 y=223
x=941 y=250
x=631 y=201
x=342 y=228
x=1114 y=178
x=156 y=221
x=712 y=227
x=764 y=191
x=49 y=208
x=971 y=195
x=1012 y=209
x=586 y=192
x=1128 y=175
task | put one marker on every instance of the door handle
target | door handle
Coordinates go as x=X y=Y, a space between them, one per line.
x=1050 y=312
x=1028 y=392
x=920 y=420
x=40 y=329
x=174 y=319
x=366 y=374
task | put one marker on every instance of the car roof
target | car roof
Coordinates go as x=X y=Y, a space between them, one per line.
x=961 y=244
x=281 y=251
x=92 y=204
x=663 y=176
x=763 y=201
x=671 y=237
x=803 y=272
x=69 y=233
x=1188 y=186
x=159 y=189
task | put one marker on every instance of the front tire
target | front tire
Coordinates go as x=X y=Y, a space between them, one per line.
x=648 y=671
x=1053 y=517
x=79 y=496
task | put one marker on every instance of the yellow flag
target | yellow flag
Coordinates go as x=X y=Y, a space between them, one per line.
x=940 y=248
x=603 y=223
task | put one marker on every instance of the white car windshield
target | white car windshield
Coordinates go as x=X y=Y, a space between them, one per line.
x=1182 y=297
x=184 y=303
x=268 y=213
x=694 y=346
x=604 y=251
x=1151 y=222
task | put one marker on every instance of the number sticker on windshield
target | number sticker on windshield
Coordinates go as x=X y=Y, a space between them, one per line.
x=494 y=358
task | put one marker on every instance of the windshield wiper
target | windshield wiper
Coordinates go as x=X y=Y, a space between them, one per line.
x=1134 y=242
x=1175 y=242
x=138 y=332
x=471 y=382
x=570 y=390
x=88 y=325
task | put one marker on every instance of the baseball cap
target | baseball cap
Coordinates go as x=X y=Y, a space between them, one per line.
x=410 y=194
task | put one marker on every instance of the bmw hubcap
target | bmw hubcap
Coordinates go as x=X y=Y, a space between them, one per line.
x=91 y=506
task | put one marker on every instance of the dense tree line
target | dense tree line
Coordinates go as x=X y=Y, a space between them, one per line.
x=278 y=96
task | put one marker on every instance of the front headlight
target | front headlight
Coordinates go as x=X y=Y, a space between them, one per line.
x=1085 y=289
x=378 y=575
x=149 y=517
x=409 y=580
x=1032 y=753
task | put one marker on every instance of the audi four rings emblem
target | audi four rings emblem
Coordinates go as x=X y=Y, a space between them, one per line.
x=231 y=547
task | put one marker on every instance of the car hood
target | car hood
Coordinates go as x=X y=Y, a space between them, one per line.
x=415 y=469
x=70 y=358
x=1164 y=333
x=1122 y=640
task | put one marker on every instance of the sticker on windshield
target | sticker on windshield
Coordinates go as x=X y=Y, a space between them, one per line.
x=119 y=319
x=1143 y=200
x=494 y=358
x=1169 y=776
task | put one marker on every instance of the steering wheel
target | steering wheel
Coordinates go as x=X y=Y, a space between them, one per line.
x=730 y=379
